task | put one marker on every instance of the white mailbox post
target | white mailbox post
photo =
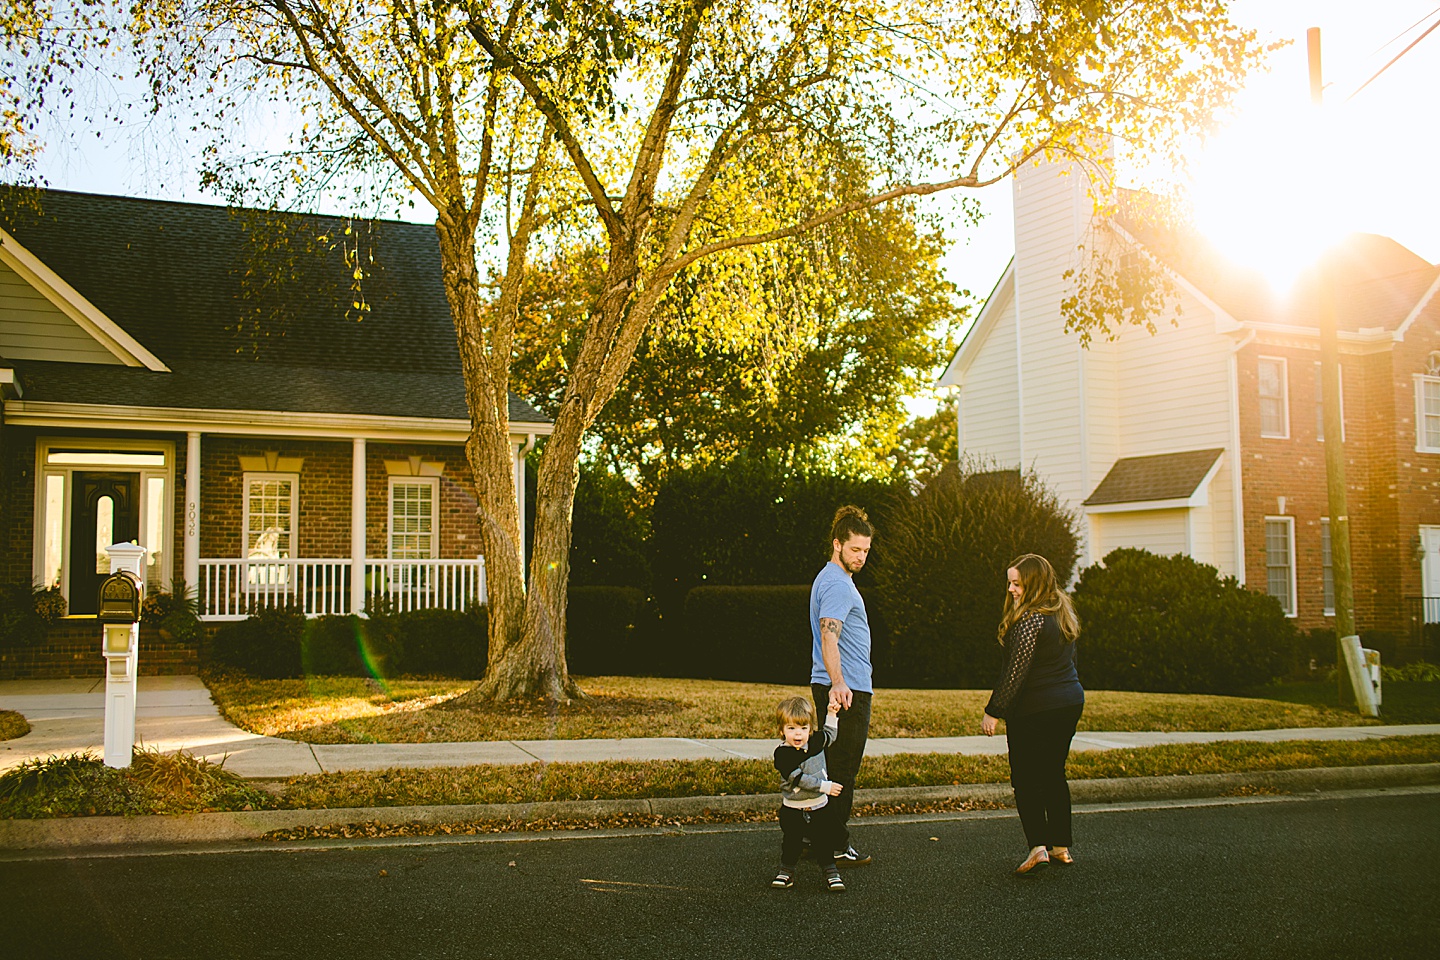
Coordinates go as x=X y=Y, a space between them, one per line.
x=120 y=596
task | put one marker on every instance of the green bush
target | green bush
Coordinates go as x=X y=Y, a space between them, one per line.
x=943 y=584
x=279 y=642
x=1418 y=672
x=176 y=613
x=1171 y=624
x=750 y=521
x=445 y=643
x=609 y=631
x=759 y=634
x=26 y=613
x=268 y=644
x=608 y=531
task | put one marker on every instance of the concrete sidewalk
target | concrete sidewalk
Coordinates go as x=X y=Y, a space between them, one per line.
x=176 y=713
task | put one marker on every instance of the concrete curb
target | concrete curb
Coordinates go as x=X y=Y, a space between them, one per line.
x=103 y=832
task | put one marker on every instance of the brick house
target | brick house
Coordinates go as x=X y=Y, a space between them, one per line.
x=271 y=403
x=1205 y=438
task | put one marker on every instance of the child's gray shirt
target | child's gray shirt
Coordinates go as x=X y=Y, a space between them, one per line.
x=802 y=772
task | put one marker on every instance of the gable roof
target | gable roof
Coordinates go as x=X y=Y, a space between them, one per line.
x=1166 y=476
x=1377 y=281
x=974 y=336
x=252 y=310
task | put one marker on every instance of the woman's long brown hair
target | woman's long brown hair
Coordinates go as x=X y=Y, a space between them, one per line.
x=1039 y=593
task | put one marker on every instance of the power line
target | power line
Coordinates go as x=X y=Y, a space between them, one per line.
x=1431 y=29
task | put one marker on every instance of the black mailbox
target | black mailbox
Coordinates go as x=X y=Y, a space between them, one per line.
x=120 y=598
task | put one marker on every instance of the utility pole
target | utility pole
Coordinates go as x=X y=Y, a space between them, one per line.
x=1334 y=427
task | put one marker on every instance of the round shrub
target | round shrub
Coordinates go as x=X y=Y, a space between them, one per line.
x=267 y=644
x=1173 y=625
x=943 y=585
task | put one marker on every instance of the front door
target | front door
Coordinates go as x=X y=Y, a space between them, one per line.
x=104 y=509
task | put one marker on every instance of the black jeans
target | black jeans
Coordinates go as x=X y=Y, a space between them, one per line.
x=842 y=758
x=817 y=825
x=1039 y=745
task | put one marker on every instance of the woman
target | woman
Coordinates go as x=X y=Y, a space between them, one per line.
x=1040 y=699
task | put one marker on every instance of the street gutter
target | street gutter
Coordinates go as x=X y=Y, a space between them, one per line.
x=98 y=833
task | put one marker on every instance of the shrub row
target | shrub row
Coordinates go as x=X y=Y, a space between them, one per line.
x=279 y=642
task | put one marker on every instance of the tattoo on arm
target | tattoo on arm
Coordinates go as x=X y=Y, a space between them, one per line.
x=830 y=629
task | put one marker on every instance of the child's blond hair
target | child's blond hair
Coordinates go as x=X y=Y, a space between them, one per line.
x=795 y=710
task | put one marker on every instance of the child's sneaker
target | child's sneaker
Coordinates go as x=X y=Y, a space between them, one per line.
x=833 y=883
x=784 y=878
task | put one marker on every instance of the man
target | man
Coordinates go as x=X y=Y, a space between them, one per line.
x=840 y=662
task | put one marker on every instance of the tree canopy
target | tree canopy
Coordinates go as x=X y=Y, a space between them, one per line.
x=843 y=325
x=684 y=141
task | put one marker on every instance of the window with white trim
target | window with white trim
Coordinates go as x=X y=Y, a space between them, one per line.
x=1427 y=411
x=1327 y=567
x=413 y=511
x=1320 y=403
x=1274 y=397
x=270 y=512
x=1280 y=561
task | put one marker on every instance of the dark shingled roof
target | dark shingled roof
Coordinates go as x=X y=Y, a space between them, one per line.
x=1168 y=476
x=251 y=309
x=1377 y=281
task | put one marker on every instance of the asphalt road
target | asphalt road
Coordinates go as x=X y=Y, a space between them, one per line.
x=1339 y=876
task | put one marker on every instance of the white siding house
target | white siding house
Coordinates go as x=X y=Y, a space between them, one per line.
x=1030 y=394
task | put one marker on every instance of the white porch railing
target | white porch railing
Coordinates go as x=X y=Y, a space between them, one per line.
x=232 y=589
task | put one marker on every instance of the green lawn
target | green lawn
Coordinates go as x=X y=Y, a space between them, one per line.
x=352 y=710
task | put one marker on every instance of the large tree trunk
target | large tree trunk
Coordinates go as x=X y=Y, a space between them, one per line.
x=535 y=666
x=488 y=448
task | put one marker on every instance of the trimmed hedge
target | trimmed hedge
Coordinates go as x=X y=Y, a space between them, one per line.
x=748 y=521
x=942 y=589
x=1173 y=625
x=759 y=634
x=279 y=642
x=609 y=631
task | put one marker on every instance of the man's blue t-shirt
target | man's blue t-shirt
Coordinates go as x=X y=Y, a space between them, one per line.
x=833 y=596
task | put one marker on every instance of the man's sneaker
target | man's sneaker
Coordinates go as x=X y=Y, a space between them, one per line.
x=850 y=857
x=784 y=878
x=833 y=883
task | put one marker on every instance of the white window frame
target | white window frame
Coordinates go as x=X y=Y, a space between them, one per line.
x=44 y=470
x=258 y=476
x=1320 y=403
x=434 y=484
x=1289 y=522
x=1420 y=432
x=1284 y=397
x=1327 y=569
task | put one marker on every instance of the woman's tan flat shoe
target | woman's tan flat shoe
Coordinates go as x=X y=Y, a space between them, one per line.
x=1038 y=858
x=1061 y=856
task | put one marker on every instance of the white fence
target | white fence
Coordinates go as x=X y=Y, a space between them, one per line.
x=232 y=589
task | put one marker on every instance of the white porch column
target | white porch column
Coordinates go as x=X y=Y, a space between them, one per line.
x=190 y=564
x=357 y=526
x=519 y=450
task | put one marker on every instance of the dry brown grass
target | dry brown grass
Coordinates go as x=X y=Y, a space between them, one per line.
x=353 y=710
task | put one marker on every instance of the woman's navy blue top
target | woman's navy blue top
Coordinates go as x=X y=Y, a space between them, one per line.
x=1039 y=670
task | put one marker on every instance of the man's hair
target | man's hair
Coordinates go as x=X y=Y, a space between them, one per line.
x=795 y=710
x=850 y=521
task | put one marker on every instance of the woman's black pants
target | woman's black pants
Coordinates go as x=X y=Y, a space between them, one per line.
x=1039 y=744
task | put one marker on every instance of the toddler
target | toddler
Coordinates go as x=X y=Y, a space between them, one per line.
x=805 y=790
